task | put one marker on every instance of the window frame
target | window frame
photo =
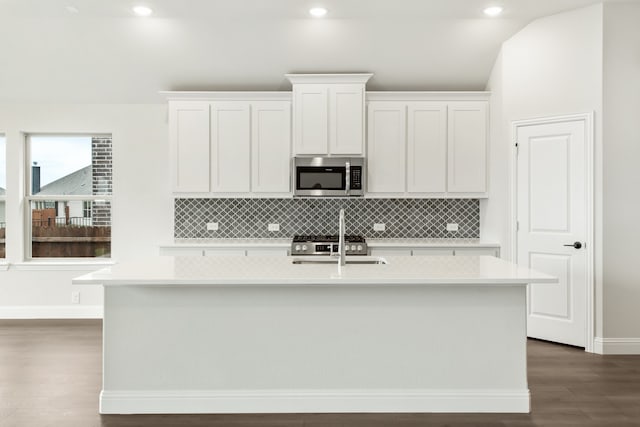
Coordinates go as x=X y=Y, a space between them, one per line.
x=29 y=198
x=3 y=198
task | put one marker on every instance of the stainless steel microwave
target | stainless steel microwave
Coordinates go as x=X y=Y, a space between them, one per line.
x=328 y=176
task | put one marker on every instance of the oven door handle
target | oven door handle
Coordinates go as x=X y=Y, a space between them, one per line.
x=347 y=187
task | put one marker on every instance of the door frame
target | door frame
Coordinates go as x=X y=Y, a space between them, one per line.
x=589 y=132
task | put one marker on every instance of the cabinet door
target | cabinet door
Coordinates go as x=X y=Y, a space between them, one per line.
x=230 y=147
x=467 y=146
x=426 y=147
x=478 y=251
x=390 y=252
x=189 y=141
x=271 y=147
x=433 y=252
x=310 y=119
x=386 y=147
x=346 y=119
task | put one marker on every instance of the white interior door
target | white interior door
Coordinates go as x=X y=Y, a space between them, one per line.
x=551 y=214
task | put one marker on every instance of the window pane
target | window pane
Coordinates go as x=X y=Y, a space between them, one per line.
x=70 y=165
x=3 y=185
x=61 y=229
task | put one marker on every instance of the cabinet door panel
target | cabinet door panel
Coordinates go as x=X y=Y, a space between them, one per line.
x=271 y=147
x=467 y=146
x=386 y=147
x=426 y=147
x=433 y=252
x=311 y=121
x=189 y=140
x=477 y=251
x=230 y=147
x=346 y=124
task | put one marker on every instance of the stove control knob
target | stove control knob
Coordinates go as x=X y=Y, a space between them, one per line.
x=297 y=247
x=353 y=247
x=359 y=247
x=304 y=247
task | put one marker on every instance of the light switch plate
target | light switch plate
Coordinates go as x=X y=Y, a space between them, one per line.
x=379 y=227
x=452 y=227
x=212 y=226
x=273 y=227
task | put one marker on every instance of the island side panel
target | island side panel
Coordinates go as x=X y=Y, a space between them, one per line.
x=322 y=348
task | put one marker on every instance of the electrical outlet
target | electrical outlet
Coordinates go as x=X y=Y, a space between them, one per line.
x=452 y=227
x=379 y=227
x=212 y=226
x=273 y=227
x=75 y=297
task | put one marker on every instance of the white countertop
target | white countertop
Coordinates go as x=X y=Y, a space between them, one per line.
x=238 y=271
x=371 y=242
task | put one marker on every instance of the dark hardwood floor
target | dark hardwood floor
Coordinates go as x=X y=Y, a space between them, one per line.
x=50 y=375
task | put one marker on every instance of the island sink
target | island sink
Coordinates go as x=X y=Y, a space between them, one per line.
x=334 y=260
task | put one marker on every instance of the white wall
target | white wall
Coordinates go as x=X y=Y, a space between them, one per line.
x=621 y=170
x=142 y=212
x=551 y=67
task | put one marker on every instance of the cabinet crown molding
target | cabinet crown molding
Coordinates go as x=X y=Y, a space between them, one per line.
x=226 y=95
x=427 y=96
x=351 y=78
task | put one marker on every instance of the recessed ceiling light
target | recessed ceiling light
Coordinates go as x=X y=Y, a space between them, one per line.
x=72 y=9
x=318 y=12
x=142 y=10
x=493 y=11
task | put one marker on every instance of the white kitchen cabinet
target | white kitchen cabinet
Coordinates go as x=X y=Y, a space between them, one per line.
x=271 y=147
x=328 y=114
x=311 y=119
x=477 y=251
x=426 y=147
x=386 y=147
x=467 y=147
x=230 y=147
x=225 y=252
x=189 y=142
x=268 y=252
x=390 y=252
x=346 y=119
x=422 y=147
x=432 y=252
x=176 y=251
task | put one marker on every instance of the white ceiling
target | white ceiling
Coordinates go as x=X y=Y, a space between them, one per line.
x=103 y=54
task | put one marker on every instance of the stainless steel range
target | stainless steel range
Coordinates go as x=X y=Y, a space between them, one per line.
x=327 y=244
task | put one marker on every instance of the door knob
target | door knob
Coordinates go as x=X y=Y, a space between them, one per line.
x=576 y=245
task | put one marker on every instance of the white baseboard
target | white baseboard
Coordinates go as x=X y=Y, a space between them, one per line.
x=617 y=345
x=312 y=401
x=51 y=312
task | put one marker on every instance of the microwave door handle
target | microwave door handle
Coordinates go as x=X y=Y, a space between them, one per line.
x=347 y=187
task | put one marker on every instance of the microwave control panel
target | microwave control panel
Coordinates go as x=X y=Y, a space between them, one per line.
x=356 y=177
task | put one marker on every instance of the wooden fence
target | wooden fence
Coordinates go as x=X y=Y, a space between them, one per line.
x=73 y=242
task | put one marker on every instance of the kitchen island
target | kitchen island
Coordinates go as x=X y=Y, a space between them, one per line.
x=259 y=335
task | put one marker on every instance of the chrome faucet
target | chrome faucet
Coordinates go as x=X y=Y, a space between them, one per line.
x=342 y=255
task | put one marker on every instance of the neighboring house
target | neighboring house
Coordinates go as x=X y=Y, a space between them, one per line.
x=76 y=212
x=2 y=209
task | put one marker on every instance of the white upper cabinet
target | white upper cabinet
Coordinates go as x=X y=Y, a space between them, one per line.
x=230 y=147
x=189 y=142
x=467 y=147
x=328 y=113
x=386 y=147
x=346 y=120
x=427 y=144
x=426 y=147
x=311 y=120
x=271 y=147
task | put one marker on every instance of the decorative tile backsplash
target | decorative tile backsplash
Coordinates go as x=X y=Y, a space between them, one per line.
x=249 y=218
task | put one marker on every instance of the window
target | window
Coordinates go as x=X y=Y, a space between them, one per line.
x=70 y=180
x=3 y=186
